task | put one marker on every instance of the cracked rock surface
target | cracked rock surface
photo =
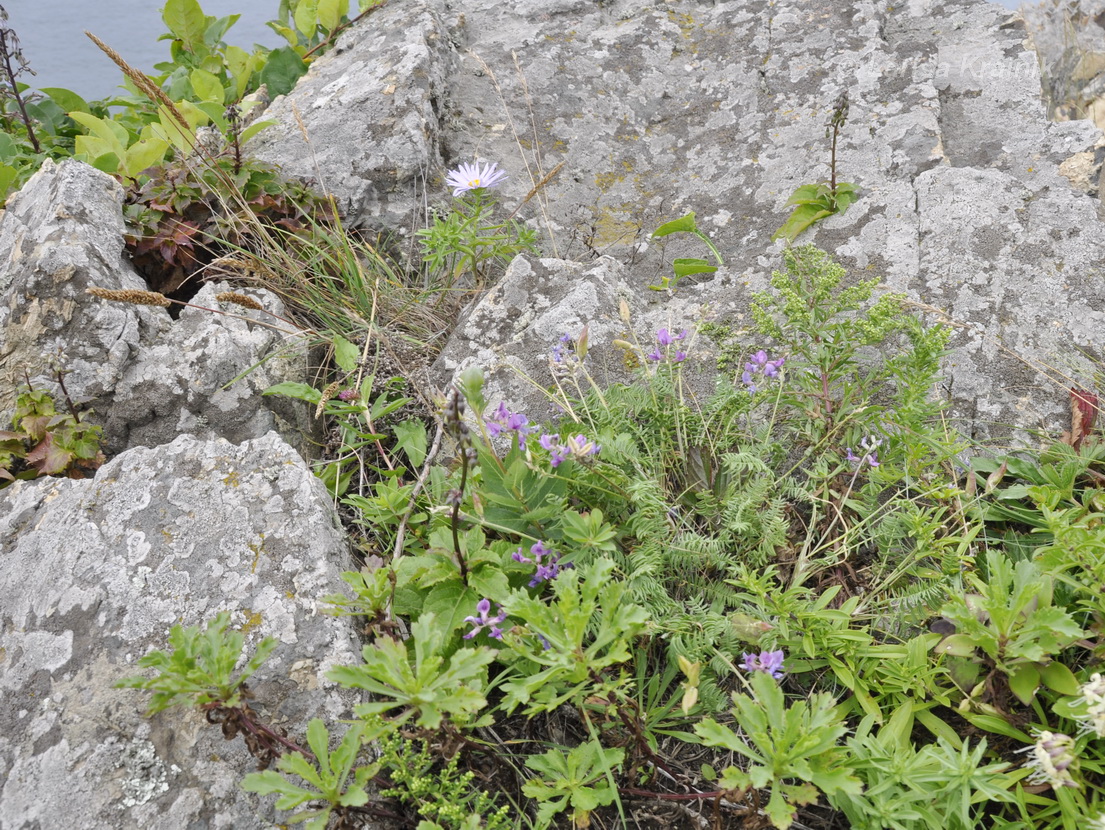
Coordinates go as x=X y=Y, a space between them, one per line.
x=657 y=109
x=94 y=573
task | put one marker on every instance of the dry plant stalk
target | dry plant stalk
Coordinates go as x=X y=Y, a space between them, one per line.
x=134 y=296
x=239 y=299
x=144 y=84
x=327 y=394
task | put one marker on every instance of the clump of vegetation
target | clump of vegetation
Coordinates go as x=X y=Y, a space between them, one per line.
x=785 y=604
x=45 y=442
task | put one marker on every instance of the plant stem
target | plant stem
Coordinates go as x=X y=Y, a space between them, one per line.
x=6 y=53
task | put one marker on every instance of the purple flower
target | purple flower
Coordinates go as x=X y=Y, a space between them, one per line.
x=870 y=446
x=770 y=662
x=665 y=338
x=545 y=570
x=483 y=620
x=502 y=418
x=759 y=364
x=581 y=447
x=347 y=394
x=474 y=177
x=557 y=453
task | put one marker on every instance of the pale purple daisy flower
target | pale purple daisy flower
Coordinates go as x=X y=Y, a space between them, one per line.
x=474 y=177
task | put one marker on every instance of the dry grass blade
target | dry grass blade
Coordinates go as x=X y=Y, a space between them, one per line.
x=144 y=84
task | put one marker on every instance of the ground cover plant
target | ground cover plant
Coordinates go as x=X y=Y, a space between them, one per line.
x=786 y=604
x=790 y=603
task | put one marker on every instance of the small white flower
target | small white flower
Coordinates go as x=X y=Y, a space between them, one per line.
x=1050 y=759
x=1093 y=694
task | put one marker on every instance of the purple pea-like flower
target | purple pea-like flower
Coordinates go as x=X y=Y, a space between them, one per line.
x=483 y=619
x=870 y=446
x=502 y=418
x=770 y=662
x=474 y=177
x=760 y=364
x=546 y=562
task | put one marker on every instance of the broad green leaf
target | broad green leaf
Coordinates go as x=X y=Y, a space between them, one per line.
x=106 y=129
x=291 y=389
x=254 y=128
x=347 y=355
x=959 y=645
x=802 y=217
x=143 y=155
x=306 y=15
x=285 y=32
x=808 y=194
x=1024 y=682
x=66 y=99
x=684 y=223
x=1059 y=678
x=410 y=436
x=186 y=20
x=684 y=267
x=330 y=13
x=283 y=68
x=206 y=86
x=108 y=163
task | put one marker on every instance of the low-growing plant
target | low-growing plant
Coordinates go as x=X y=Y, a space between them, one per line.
x=466 y=238
x=813 y=202
x=45 y=442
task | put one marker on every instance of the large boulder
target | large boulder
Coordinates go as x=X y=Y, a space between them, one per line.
x=147 y=377
x=94 y=573
x=721 y=108
x=365 y=123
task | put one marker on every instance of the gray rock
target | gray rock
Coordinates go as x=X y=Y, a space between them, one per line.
x=61 y=233
x=658 y=109
x=372 y=112
x=94 y=573
x=147 y=378
x=206 y=374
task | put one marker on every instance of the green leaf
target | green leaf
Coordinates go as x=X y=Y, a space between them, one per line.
x=1059 y=678
x=206 y=86
x=347 y=355
x=958 y=645
x=1024 y=682
x=306 y=14
x=802 y=217
x=66 y=99
x=330 y=13
x=254 y=128
x=291 y=389
x=684 y=267
x=143 y=155
x=809 y=194
x=410 y=436
x=283 y=68
x=186 y=20
x=682 y=224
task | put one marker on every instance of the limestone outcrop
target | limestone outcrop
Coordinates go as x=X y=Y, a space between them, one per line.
x=663 y=108
x=94 y=573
